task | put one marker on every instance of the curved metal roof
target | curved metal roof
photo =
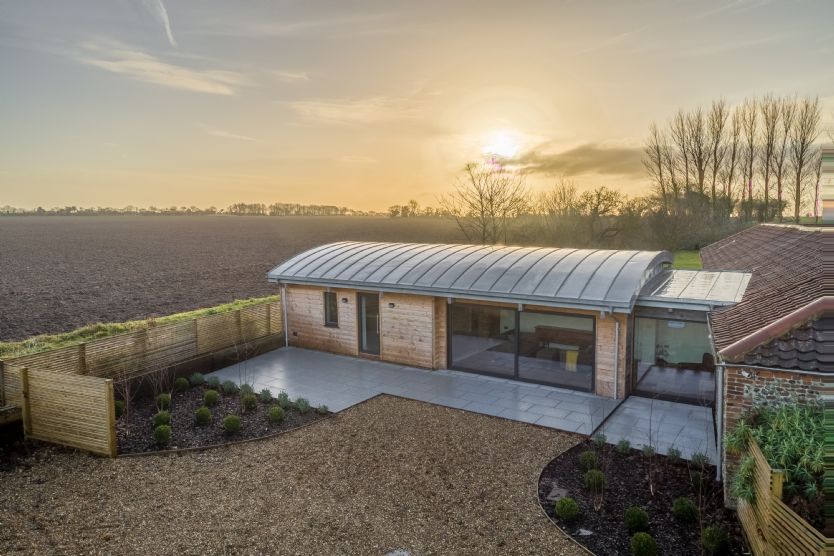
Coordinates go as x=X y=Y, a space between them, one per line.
x=584 y=278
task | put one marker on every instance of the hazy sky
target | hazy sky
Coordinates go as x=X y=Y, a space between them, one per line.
x=366 y=104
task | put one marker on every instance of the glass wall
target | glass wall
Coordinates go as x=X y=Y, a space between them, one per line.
x=549 y=348
x=483 y=339
x=557 y=349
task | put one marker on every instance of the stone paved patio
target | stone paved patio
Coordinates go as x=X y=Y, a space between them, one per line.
x=340 y=382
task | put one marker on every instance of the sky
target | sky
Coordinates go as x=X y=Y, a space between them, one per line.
x=369 y=103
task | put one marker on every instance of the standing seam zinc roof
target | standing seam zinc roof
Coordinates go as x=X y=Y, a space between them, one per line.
x=596 y=279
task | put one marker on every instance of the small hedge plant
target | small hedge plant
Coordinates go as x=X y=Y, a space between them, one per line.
x=684 y=510
x=202 y=416
x=163 y=401
x=715 y=541
x=210 y=397
x=636 y=519
x=231 y=424
x=246 y=389
x=588 y=460
x=197 y=379
x=213 y=382
x=594 y=481
x=600 y=440
x=230 y=388
x=249 y=402
x=322 y=410
x=302 y=405
x=162 y=435
x=266 y=395
x=642 y=544
x=275 y=414
x=283 y=400
x=181 y=384
x=674 y=456
x=623 y=447
x=567 y=509
x=161 y=418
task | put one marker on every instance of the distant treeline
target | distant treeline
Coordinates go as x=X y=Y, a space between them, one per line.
x=237 y=209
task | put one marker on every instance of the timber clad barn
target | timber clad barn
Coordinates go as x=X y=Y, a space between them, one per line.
x=608 y=322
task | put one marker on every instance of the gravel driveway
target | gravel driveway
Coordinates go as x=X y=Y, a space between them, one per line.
x=387 y=474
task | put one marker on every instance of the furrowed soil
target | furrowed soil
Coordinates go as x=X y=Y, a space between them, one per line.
x=59 y=273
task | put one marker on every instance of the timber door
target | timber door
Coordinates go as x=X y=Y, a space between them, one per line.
x=368 y=323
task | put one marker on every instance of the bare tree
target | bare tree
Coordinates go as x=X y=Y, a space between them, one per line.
x=787 y=113
x=770 y=110
x=597 y=204
x=653 y=161
x=561 y=200
x=817 y=165
x=800 y=153
x=485 y=201
x=699 y=148
x=717 y=141
x=733 y=158
x=680 y=137
x=749 y=124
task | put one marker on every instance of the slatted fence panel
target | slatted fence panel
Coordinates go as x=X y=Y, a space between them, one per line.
x=771 y=527
x=71 y=410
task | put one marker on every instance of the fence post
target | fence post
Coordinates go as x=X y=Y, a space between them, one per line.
x=27 y=410
x=197 y=336
x=238 y=318
x=110 y=402
x=777 y=478
x=82 y=358
x=2 y=384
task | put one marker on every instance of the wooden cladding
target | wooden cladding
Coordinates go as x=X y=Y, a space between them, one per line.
x=69 y=396
x=407 y=329
x=610 y=355
x=305 y=320
x=771 y=527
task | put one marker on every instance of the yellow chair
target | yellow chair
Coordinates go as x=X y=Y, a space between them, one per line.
x=570 y=360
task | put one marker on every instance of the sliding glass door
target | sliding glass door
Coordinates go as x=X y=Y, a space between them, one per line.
x=483 y=339
x=369 y=323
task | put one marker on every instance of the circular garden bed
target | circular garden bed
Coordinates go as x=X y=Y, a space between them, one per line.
x=202 y=412
x=618 y=500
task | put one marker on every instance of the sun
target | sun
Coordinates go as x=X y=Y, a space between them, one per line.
x=504 y=143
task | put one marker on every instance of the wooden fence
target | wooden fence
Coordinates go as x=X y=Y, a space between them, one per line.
x=771 y=527
x=85 y=371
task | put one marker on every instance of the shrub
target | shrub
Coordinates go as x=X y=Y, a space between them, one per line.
x=202 y=416
x=684 y=510
x=623 y=447
x=322 y=410
x=594 y=481
x=230 y=387
x=673 y=455
x=699 y=481
x=161 y=418
x=249 y=402
x=119 y=406
x=588 y=460
x=642 y=544
x=266 y=395
x=246 y=389
x=162 y=435
x=636 y=519
x=599 y=440
x=567 y=509
x=181 y=384
x=213 y=382
x=275 y=415
x=163 y=401
x=302 y=405
x=715 y=541
x=197 y=379
x=283 y=400
x=210 y=397
x=648 y=450
x=700 y=460
x=231 y=424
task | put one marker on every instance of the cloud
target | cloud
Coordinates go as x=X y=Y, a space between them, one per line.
x=589 y=158
x=157 y=9
x=226 y=134
x=371 y=110
x=291 y=76
x=140 y=66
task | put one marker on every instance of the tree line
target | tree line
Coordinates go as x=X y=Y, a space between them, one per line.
x=237 y=209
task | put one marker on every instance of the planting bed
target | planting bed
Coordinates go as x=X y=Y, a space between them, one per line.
x=135 y=429
x=604 y=531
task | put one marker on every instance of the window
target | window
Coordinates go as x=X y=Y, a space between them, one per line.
x=331 y=309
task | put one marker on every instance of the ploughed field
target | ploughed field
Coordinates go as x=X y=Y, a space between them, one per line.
x=59 y=273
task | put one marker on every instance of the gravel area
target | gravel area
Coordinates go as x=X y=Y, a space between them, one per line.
x=384 y=475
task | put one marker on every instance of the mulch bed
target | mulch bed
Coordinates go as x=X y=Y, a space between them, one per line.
x=134 y=430
x=604 y=531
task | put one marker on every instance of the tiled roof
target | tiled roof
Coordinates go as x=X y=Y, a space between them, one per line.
x=809 y=347
x=792 y=267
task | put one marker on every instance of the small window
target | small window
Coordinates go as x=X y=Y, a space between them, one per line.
x=331 y=309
